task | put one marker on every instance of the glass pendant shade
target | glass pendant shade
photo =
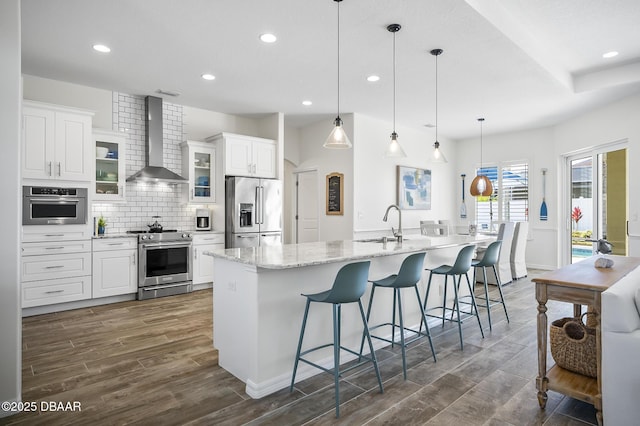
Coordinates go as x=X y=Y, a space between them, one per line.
x=481 y=186
x=438 y=155
x=338 y=138
x=394 y=150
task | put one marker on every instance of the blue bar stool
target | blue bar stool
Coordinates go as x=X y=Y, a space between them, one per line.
x=408 y=276
x=459 y=268
x=490 y=259
x=348 y=287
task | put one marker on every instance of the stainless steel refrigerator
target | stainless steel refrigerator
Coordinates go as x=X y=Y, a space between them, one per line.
x=253 y=210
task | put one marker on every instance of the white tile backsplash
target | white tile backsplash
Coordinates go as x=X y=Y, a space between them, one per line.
x=146 y=200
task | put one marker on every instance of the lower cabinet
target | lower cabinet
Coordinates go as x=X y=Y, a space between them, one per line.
x=115 y=267
x=55 y=272
x=202 y=264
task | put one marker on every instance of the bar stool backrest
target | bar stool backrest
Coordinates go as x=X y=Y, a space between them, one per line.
x=350 y=283
x=463 y=261
x=491 y=254
x=410 y=270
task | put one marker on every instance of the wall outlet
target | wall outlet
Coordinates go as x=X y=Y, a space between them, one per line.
x=231 y=285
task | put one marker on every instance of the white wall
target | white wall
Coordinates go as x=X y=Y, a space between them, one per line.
x=376 y=176
x=200 y=124
x=10 y=119
x=314 y=155
x=544 y=148
x=73 y=95
x=537 y=148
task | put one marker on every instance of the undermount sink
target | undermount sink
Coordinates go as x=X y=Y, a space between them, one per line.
x=378 y=240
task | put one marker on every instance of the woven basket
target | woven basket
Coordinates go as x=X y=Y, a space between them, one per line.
x=573 y=345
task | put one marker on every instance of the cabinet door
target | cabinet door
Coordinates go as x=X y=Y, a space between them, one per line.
x=264 y=159
x=37 y=143
x=239 y=157
x=73 y=147
x=203 y=163
x=114 y=273
x=203 y=264
x=110 y=158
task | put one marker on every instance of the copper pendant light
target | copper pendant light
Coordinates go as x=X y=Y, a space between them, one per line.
x=481 y=185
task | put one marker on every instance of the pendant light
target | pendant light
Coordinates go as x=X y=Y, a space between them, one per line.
x=481 y=185
x=438 y=156
x=338 y=138
x=394 y=150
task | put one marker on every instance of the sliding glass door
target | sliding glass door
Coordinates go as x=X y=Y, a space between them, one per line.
x=597 y=188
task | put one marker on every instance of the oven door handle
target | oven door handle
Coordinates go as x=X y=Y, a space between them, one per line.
x=54 y=200
x=165 y=245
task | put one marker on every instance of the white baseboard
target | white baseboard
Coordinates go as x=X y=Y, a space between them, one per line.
x=58 y=307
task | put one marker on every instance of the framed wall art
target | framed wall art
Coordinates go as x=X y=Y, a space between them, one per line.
x=414 y=188
x=335 y=194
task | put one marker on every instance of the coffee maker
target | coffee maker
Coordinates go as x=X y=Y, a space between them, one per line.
x=203 y=220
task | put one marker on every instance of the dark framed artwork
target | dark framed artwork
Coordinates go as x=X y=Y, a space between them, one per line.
x=414 y=188
x=335 y=194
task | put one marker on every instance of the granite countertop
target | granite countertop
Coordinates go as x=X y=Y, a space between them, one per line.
x=317 y=253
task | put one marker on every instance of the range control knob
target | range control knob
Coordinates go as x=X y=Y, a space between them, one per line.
x=151 y=237
x=143 y=237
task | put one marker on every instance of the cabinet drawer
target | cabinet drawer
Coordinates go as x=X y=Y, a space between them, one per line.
x=106 y=244
x=208 y=239
x=35 y=268
x=34 y=249
x=41 y=233
x=38 y=293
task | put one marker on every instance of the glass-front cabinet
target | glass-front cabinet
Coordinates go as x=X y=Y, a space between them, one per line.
x=110 y=166
x=198 y=164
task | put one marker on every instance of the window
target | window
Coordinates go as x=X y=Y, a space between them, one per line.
x=510 y=199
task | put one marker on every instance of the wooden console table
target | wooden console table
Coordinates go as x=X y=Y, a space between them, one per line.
x=581 y=284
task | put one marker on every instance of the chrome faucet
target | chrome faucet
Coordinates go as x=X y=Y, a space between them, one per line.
x=398 y=234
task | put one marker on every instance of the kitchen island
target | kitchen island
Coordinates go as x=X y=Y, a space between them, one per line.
x=258 y=307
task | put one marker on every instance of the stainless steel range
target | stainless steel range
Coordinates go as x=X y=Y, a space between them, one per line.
x=164 y=266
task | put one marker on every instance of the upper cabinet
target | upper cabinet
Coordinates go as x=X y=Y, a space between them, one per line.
x=110 y=155
x=247 y=155
x=56 y=143
x=199 y=165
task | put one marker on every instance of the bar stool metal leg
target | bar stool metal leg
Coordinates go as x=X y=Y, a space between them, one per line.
x=304 y=325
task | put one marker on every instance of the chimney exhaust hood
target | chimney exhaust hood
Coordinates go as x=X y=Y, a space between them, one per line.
x=154 y=170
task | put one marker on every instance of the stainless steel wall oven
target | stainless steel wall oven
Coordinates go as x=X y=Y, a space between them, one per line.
x=44 y=205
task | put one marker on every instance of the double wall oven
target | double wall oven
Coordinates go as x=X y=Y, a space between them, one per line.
x=164 y=266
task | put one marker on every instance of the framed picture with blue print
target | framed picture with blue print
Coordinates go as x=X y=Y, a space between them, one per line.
x=414 y=188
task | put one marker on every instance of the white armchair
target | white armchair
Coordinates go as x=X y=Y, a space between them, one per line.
x=620 y=325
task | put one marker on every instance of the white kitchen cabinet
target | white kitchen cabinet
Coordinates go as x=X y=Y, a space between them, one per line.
x=110 y=157
x=56 y=143
x=199 y=166
x=203 y=264
x=55 y=264
x=247 y=155
x=114 y=267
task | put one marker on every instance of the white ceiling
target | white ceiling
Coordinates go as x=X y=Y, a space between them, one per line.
x=519 y=63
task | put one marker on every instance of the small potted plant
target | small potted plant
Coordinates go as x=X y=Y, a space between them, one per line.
x=101 y=225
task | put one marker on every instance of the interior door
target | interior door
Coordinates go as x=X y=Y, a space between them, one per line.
x=598 y=194
x=307 y=206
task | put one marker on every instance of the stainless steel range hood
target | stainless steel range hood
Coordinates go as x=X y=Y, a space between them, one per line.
x=154 y=170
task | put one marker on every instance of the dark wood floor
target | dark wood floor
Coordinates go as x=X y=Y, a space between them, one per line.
x=152 y=362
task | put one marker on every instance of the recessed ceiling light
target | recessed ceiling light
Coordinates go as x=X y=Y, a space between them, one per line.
x=101 y=48
x=373 y=78
x=307 y=103
x=208 y=76
x=268 y=38
x=611 y=54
